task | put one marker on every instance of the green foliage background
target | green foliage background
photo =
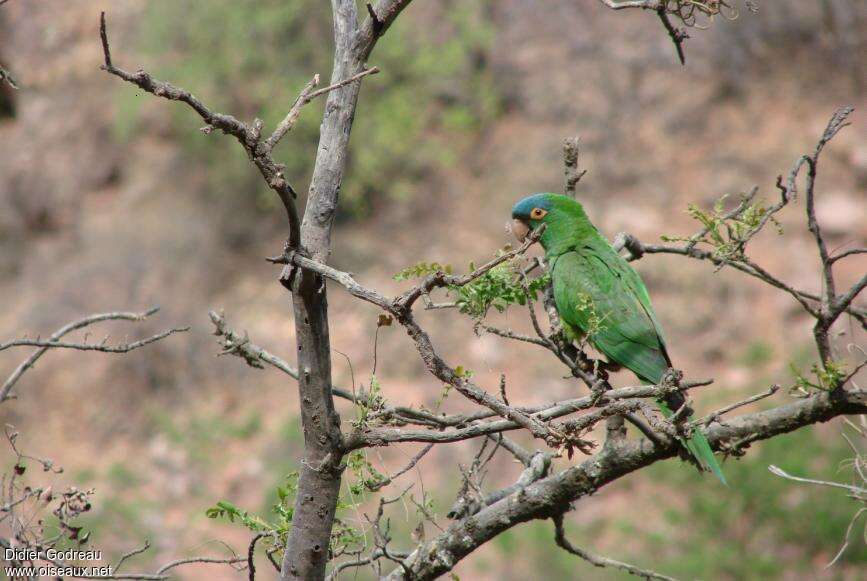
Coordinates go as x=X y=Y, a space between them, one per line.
x=251 y=58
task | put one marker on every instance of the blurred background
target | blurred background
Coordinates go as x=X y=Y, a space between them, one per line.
x=111 y=199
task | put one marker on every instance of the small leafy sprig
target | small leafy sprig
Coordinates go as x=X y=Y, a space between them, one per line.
x=372 y=402
x=283 y=509
x=498 y=288
x=275 y=531
x=422 y=269
x=827 y=378
x=595 y=320
x=366 y=476
x=727 y=232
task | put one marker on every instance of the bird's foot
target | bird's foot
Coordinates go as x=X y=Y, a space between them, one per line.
x=671 y=378
x=597 y=392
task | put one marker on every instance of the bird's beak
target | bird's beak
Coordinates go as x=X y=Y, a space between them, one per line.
x=520 y=229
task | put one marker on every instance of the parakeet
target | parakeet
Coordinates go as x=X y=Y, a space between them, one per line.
x=599 y=295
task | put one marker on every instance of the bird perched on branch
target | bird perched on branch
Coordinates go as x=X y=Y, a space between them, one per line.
x=599 y=296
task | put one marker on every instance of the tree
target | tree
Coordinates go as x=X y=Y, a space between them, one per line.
x=312 y=537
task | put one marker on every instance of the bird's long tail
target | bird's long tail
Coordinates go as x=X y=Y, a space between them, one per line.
x=697 y=444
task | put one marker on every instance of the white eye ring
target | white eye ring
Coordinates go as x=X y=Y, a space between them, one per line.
x=538 y=213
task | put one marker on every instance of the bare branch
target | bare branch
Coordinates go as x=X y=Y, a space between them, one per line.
x=645 y=4
x=714 y=416
x=521 y=455
x=838 y=121
x=400 y=308
x=6 y=76
x=538 y=467
x=599 y=560
x=102 y=347
x=249 y=137
x=850 y=252
x=843 y=302
x=380 y=17
x=570 y=164
x=846 y=536
x=144 y=81
x=686 y=11
x=825 y=307
x=241 y=346
x=857 y=491
x=67 y=506
x=467 y=426
x=53 y=341
x=677 y=35
x=507 y=334
x=307 y=95
x=251 y=553
x=132 y=553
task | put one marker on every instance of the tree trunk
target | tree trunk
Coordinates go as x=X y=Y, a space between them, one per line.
x=319 y=483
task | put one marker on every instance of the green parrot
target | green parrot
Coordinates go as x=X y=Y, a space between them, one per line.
x=598 y=295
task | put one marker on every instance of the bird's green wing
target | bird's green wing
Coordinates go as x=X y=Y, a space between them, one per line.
x=598 y=292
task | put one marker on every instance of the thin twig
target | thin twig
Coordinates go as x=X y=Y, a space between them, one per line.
x=130 y=554
x=101 y=347
x=677 y=36
x=251 y=553
x=715 y=415
x=858 y=491
x=599 y=560
x=409 y=466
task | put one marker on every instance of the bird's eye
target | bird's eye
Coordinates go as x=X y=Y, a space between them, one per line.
x=538 y=213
